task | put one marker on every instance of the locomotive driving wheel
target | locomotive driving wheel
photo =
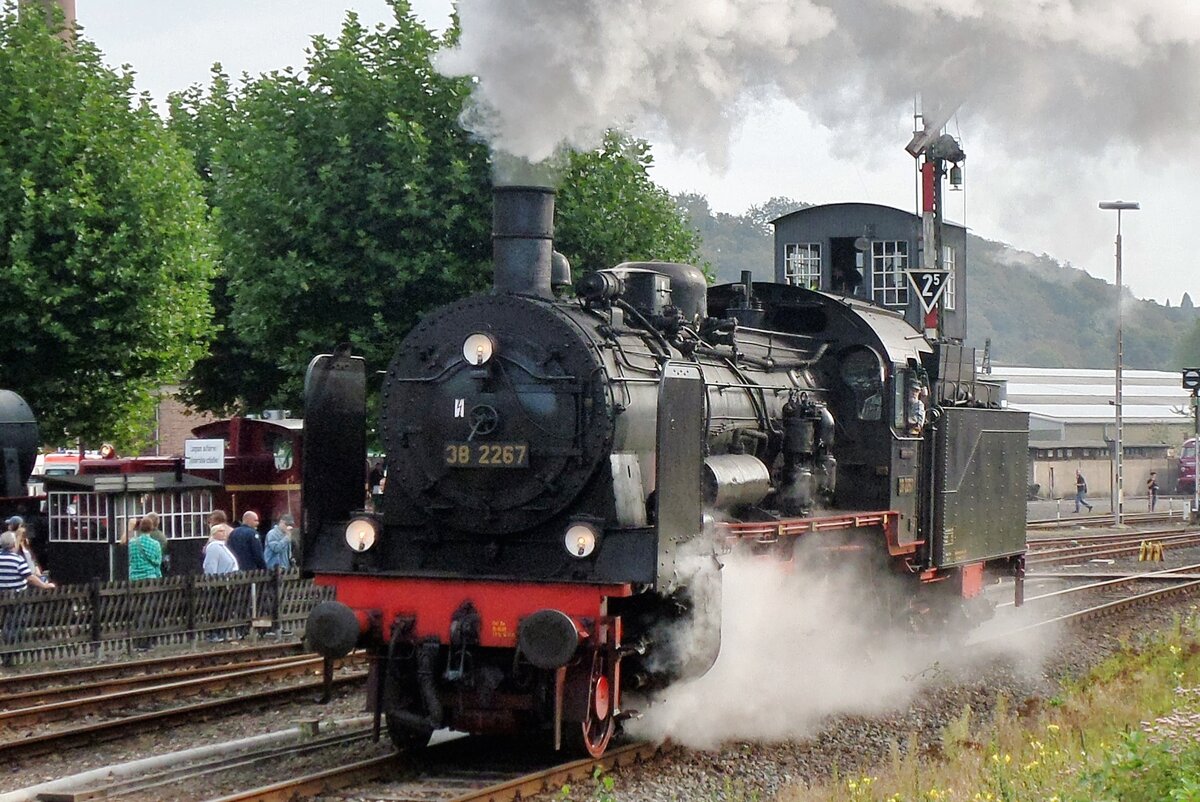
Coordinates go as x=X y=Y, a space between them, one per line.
x=591 y=734
x=408 y=721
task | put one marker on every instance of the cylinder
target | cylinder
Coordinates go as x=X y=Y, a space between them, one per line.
x=523 y=240
x=735 y=480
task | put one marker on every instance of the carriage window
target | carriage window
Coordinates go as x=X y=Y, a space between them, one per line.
x=84 y=516
x=281 y=448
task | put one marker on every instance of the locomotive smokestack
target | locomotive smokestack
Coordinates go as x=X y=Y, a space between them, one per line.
x=522 y=240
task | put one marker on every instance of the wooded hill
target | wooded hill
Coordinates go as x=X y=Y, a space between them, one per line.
x=1036 y=310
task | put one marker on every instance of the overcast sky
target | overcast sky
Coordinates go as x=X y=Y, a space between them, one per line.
x=1042 y=200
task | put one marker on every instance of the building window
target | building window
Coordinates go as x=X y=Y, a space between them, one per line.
x=81 y=516
x=889 y=282
x=949 y=295
x=802 y=264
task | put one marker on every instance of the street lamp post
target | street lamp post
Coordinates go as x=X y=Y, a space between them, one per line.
x=1119 y=490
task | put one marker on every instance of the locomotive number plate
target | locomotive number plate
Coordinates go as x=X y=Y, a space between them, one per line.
x=486 y=455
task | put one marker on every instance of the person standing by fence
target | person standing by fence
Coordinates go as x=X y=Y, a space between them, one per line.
x=278 y=554
x=245 y=545
x=145 y=562
x=25 y=549
x=279 y=544
x=145 y=554
x=15 y=577
x=218 y=559
x=1152 y=489
x=155 y=531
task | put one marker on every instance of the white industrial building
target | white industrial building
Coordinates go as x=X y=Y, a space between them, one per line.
x=1072 y=426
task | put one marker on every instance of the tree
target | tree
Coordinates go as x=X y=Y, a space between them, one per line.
x=105 y=249
x=202 y=121
x=348 y=201
x=762 y=214
x=1187 y=353
x=609 y=211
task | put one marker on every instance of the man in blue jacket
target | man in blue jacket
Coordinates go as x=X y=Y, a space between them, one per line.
x=245 y=545
x=279 y=543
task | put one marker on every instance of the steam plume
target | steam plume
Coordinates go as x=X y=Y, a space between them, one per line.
x=1057 y=75
x=797 y=648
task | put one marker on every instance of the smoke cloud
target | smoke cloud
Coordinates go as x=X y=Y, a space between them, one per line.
x=799 y=647
x=1057 y=75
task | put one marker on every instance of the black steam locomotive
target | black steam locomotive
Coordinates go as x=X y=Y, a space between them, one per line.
x=19 y=448
x=558 y=456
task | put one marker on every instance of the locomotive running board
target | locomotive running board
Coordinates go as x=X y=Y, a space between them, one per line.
x=768 y=532
x=771 y=531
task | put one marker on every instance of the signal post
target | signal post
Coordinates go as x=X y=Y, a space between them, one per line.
x=1191 y=381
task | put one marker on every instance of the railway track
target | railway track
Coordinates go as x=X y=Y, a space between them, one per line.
x=163 y=666
x=463 y=769
x=185 y=768
x=1109 y=608
x=1106 y=519
x=468 y=780
x=1179 y=574
x=22 y=744
x=1096 y=538
x=39 y=707
x=1117 y=546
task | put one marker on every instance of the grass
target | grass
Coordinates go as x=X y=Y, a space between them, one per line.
x=1129 y=731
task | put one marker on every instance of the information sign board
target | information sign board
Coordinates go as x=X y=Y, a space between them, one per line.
x=204 y=454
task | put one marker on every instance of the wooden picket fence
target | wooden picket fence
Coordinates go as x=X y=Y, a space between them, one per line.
x=104 y=617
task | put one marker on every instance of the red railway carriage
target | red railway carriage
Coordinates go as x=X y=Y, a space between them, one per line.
x=88 y=512
x=262 y=466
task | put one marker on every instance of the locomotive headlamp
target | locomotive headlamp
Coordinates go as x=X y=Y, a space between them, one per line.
x=580 y=539
x=478 y=348
x=361 y=533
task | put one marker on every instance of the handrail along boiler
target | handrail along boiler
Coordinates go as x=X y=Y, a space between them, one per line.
x=556 y=455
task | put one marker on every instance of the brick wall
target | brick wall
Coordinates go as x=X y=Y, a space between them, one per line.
x=175 y=422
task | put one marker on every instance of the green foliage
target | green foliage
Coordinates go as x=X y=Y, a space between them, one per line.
x=1040 y=312
x=1139 y=769
x=605 y=785
x=105 y=250
x=733 y=243
x=609 y=211
x=349 y=201
x=1188 y=353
